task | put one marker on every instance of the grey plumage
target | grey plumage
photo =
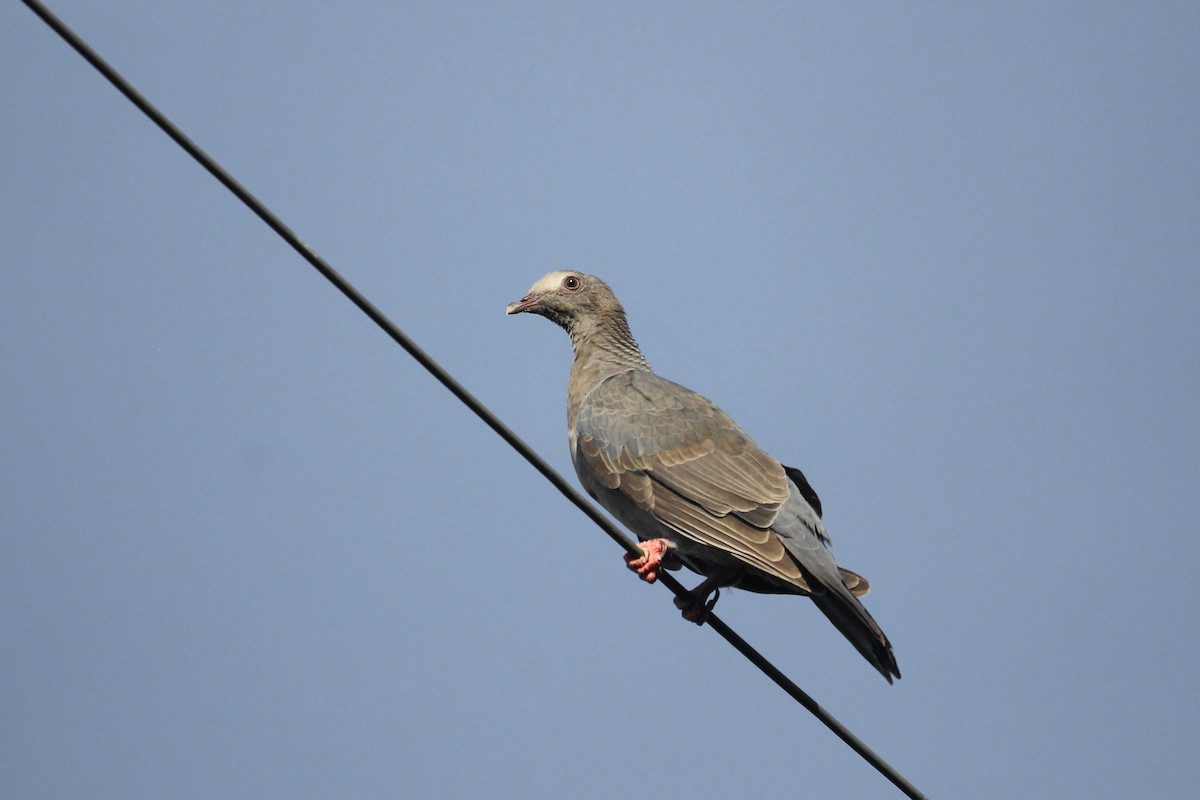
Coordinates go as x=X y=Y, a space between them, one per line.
x=672 y=466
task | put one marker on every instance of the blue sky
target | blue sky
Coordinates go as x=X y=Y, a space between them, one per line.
x=941 y=257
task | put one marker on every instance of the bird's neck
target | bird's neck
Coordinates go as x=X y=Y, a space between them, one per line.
x=605 y=350
x=607 y=344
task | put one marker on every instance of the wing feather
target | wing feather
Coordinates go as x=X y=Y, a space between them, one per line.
x=679 y=457
x=757 y=547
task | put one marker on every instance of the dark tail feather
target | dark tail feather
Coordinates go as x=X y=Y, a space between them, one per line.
x=856 y=624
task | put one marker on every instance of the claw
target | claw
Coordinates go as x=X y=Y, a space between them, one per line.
x=648 y=564
x=695 y=605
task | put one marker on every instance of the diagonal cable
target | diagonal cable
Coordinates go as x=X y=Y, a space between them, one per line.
x=456 y=388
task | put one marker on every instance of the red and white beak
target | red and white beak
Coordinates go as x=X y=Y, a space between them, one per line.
x=527 y=303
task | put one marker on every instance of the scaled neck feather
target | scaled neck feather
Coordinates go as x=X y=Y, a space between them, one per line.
x=602 y=348
x=605 y=338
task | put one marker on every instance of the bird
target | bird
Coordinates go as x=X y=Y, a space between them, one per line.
x=677 y=471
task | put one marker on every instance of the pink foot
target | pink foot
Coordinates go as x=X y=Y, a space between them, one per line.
x=695 y=605
x=650 y=561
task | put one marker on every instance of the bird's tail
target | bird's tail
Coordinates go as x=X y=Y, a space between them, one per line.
x=856 y=623
x=857 y=584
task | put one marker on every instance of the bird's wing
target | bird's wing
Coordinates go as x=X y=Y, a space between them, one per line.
x=806 y=490
x=679 y=457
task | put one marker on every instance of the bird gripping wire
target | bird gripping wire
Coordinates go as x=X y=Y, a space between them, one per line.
x=457 y=389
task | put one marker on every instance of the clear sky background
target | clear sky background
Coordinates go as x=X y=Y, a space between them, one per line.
x=943 y=257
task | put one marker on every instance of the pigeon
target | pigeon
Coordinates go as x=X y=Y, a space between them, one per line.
x=679 y=473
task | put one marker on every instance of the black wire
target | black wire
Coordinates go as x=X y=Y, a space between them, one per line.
x=443 y=377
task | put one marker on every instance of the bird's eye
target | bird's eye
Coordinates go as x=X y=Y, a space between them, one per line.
x=571 y=283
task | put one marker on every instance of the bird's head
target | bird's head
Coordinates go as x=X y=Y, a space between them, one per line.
x=575 y=300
